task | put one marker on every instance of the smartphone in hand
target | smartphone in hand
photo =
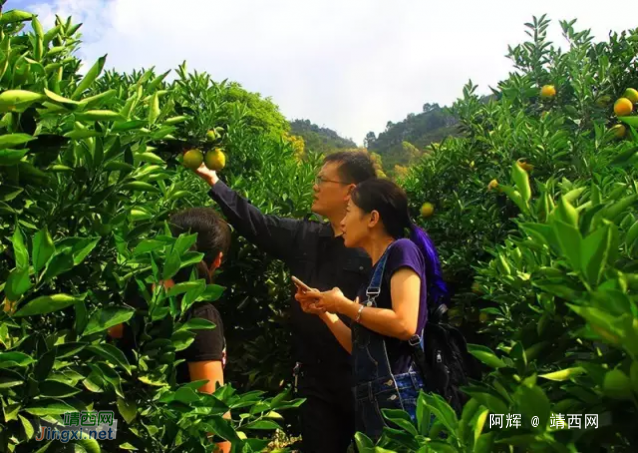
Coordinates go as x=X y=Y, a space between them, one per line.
x=301 y=285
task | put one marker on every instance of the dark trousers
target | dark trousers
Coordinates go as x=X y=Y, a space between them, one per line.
x=327 y=415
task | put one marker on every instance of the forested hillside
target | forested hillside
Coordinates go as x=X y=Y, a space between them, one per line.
x=320 y=139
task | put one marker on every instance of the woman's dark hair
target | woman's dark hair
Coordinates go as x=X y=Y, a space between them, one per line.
x=213 y=236
x=391 y=202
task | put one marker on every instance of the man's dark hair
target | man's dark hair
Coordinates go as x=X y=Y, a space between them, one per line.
x=354 y=166
x=213 y=233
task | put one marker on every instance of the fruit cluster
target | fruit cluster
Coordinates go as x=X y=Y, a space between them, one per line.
x=214 y=159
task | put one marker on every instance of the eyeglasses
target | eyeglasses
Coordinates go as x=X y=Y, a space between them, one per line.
x=320 y=180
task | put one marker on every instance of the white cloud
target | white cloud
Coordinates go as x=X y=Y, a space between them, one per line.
x=350 y=65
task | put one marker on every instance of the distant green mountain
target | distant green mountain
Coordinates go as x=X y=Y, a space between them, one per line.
x=319 y=139
x=403 y=143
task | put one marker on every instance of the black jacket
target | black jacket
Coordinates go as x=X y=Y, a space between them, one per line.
x=314 y=255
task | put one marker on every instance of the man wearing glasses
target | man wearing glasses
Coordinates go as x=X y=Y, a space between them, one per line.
x=315 y=253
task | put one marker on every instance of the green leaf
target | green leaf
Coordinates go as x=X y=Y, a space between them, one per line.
x=182 y=339
x=197 y=324
x=82 y=249
x=532 y=402
x=43 y=249
x=617 y=385
x=184 y=242
x=9 y=381
x=521 y=178
x=127 y=409
x=485 y=355
x=442 y=411
x=89 y=78
x=171 y=266
x=11 y=140
x=111 y=376
x=222 y=428
x=10 y=157
x=494 y=403
x=99 y=115
x=563 y=375
x=183 y=287
x=631 y=120
x=81 y=317
x=15 y=358
x=401 y=419
x=262 y=424
x=94 y=382
x=55 y=389
x=615 y=210
x=59 y=264
x=567 y=213
x=8 y=193
x=45 y=364
x=148 y=245
x=15 y=15
x=59 y=99
x=19 y=249
x=28 y=427
x=17 y=284
x=153 y=109
x=49 y=406
x=570 y=242
x=48 y=304
x=139 y=186
x=112 y=354
x=106 y=318
x=595 y=249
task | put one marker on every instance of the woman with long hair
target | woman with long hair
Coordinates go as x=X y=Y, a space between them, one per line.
x=390 y=310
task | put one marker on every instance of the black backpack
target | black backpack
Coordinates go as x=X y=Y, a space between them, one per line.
x=440 y=353
x=443 y=360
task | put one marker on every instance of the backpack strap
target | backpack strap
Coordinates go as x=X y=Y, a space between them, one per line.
x=374 y=288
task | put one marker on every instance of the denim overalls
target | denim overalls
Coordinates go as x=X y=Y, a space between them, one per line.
x=376 y=387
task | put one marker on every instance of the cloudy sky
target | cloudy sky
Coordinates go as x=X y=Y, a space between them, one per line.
x=351 y=65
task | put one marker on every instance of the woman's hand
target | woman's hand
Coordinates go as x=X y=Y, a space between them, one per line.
x=307 y=302
x=331 y=301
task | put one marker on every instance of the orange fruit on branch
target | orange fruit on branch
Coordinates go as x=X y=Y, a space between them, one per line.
x=427 y=209
x=215 y=159
x=548 y=91
x=193 y=159
x=623 y=107
x=619 y=130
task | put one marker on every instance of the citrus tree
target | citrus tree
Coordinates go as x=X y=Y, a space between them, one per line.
x=541 y=190
x=84 y=195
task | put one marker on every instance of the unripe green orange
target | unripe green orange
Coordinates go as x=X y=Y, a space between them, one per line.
x=427 y=209
x=631 y=94
x=215 y=159
x=193 y=159
x=619 y=130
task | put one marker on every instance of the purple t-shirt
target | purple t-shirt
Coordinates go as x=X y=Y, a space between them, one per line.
x=403 y=254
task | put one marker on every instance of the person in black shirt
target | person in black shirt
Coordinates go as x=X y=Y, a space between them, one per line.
x=315 y=253
x=205 y=358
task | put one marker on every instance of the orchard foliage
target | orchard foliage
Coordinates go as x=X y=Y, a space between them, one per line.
x=88 y=177
x=533 y=212
x=536 y=223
